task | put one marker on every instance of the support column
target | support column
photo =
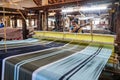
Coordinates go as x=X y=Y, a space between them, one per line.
x=12 y=23
x=45 y=20
x=34 y=22
x=39 y=21
x=25 y=32
x=113 y=15
x=15 y=22
x=118 y=19
x=58 y=21
x=24 y=29
x=117 y=40
x=30 y=22
x=9 y=22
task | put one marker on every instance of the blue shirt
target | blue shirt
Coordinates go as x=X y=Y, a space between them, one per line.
x=71 y=27
x=1 y=25
x=76 y=31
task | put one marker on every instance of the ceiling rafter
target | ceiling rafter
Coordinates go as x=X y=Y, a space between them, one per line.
x=50 y=1
x=68 y=3
x=38 y=2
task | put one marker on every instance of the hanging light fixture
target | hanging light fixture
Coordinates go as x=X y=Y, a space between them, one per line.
x=92 y=8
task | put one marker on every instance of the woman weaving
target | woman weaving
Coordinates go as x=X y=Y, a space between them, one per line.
x=74 y=27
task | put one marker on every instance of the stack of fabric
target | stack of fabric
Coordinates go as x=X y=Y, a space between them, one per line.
x=11 y=33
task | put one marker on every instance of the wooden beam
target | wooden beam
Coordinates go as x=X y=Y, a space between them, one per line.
x=69 y=3
x=52 y=6
x=13 y=11
x=27 y=17
x=63 y=0
x=38 y=2
x=50 y=1
x=8 y=9
x=39 y=21
x=9 y=14
x=54 y=1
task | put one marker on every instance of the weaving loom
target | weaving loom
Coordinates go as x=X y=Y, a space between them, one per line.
x=68 y=62
x=59 y=40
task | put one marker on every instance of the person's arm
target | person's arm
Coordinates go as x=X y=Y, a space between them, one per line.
x=74 y=30
x=70 y=31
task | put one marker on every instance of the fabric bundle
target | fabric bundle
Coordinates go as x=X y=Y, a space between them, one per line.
x=11 y=33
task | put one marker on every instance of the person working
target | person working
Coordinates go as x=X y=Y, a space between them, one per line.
x=1 y=25
x=74 y=27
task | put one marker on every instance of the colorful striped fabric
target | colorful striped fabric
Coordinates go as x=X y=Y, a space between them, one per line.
x=24 y=44
x=75 y=67
x=30 y=40
x=35 y=60
x=70 y=62
x=26 y=49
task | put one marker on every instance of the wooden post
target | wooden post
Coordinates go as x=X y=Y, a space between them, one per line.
x=58 y=21
x=34 y=23
x=24 y=29
x=30 y=22
x=118 y=20
x=24 y=25
x=9 y=21
x=12 y=23
x=15 y=22
x=39 y=21
x=44 y=16
x=113 y=18
x=46 y=19
x=91 y=31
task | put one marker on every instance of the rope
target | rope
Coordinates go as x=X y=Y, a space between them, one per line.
x=63 y=19
x=91 y=32
x=30 y=20
x=4 y=27
x=21 y=14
